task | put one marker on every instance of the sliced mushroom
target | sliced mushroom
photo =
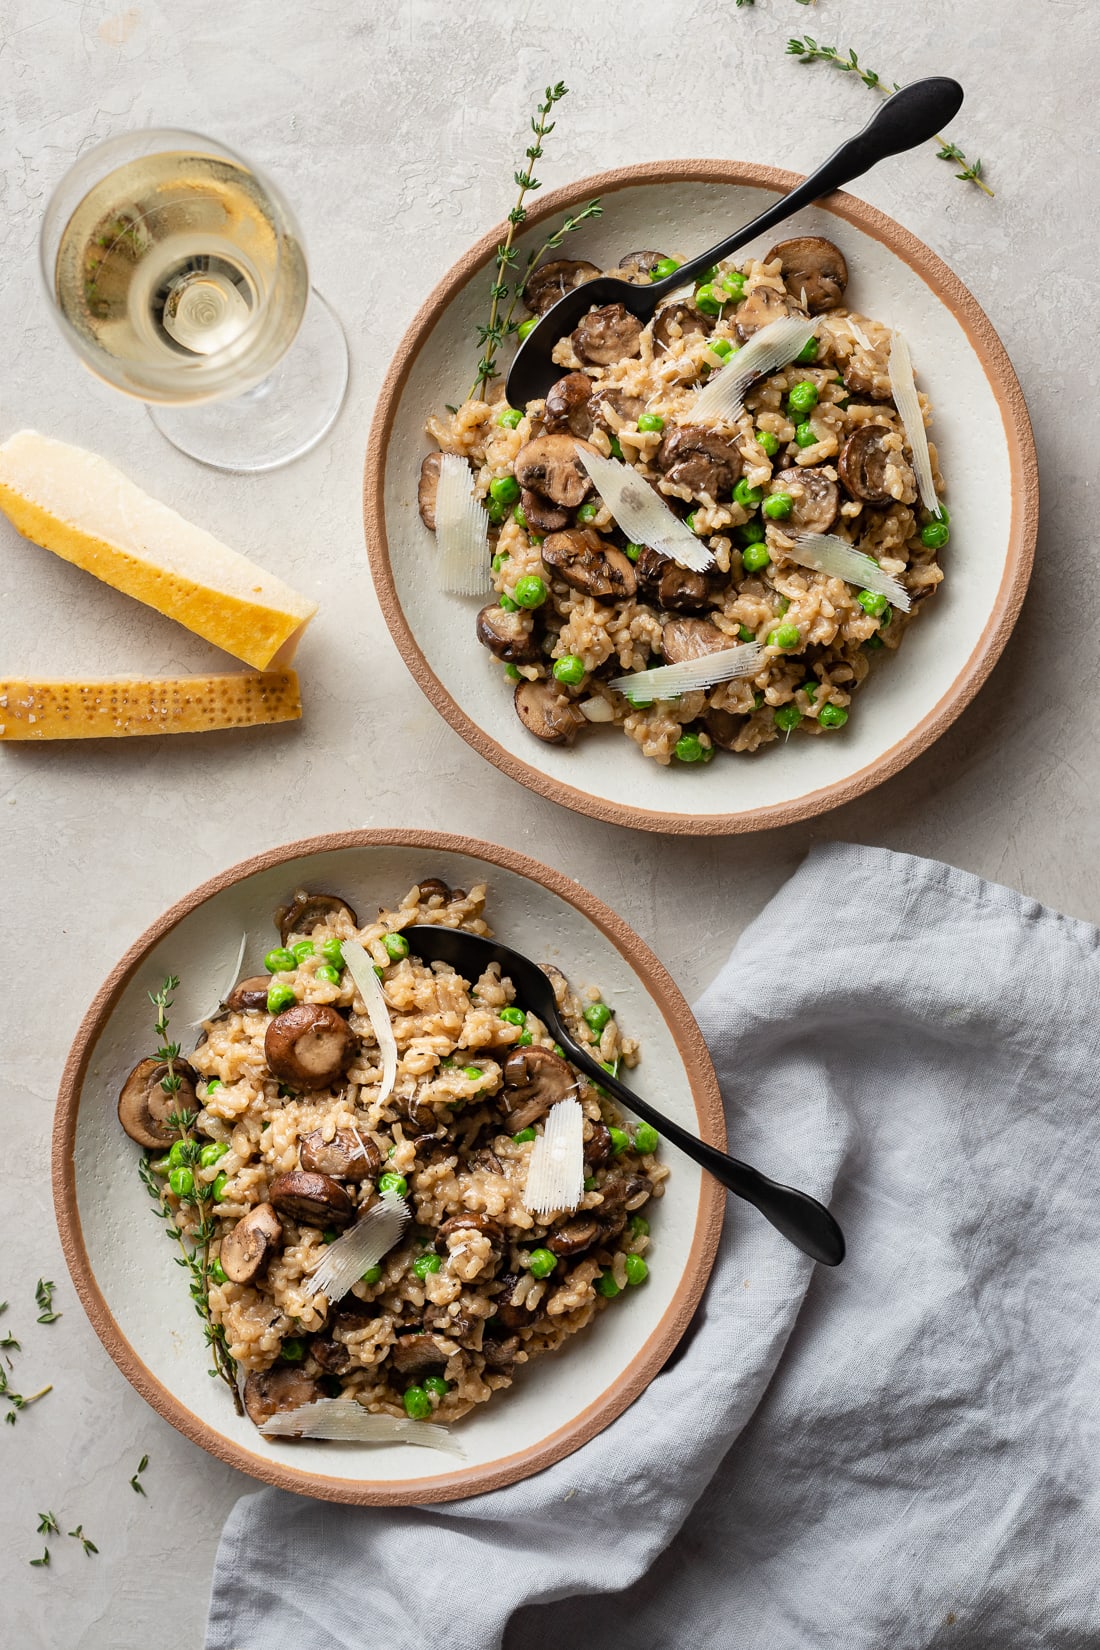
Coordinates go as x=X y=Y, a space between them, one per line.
x=333 y=1356
x=431 y=886
x=352 y=1313
x=597 y=1148
x=306 y=911
x=543 y=516
x=815 y=271
x=552 y=281
x=700 y=460
x=349 y=1155
x=758 y=310
x=309 y=1046
x=574 y=1237
x=567 y=405
x=724 y=727
x=311 y=1199
x=428 y=488
x=510 y=636
x=513 y=1315
x=691 y=639
x=452 y=1320
x=487 y=1160
x=547 y=713
x=816 y=500
x=680 y=320
x=272 y=1390
x=247 y=1248
x=863 y=462
x=414 y=1352
x=620 y=1195
x=641 y=264
x=590 y=564
x=611 y=408
x=675 y=588
x=607 y=334
x=500 y=1355
x=250 y=993
x=475 y=1221
x=144 y=1107
x=534 y=1080
x=551 y=465
x=869 y=379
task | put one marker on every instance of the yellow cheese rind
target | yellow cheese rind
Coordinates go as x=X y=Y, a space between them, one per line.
x=119 y=707
x=81 y=508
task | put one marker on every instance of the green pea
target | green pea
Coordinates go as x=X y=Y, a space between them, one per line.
x=436 y=1384
x=646 y=1138
x=510 y=417
x=620 y=1141
x=706 y=275
x=524 y=1040
x=807 y=353
x=390 y=1182
x=805 y=435
x=734 y=283
x=213 y=1083
x=218 y=1272
x=333 y=953
x=161 y=1166
x=587 y=512
x=331 y=976
x=498 y=560
x=474 y=1074
x=303 y=949
x=531 y=591
x=182 y=1182
x=784 y=635
x=221 y=1181
x=639 y=1226
x=810 y=690
x=787 y=717
x=636 y=1269
x=212 y=1153
x=651 y=422
x=745 y=634
x=418 y=1406
x=872 y=603
x=379 y=971
x=526 y=328
x=372 y=1275
x=935 y=534
x=292 y=1351
x=610 y=1066
x=874 y=641
x=689 y=748
x=279 y=997
x=606 y=1286
x=597 y=1015
x=541 y=1263
x=519 y=516
x=662 y=270
x=590 y=1182
x=559 y=1051
x=505 y=489
x=633 y=551
x=423 y=1264
x=748 y=497
x=778 y=506
x=512 y=672
x=768 y=441
x=751 y=532
x=832 y=716
x=708 y=299
x=523 y=1136
x=280 y=961
x=638 y=703
x=180 y=1153
x=514 y=1016
x=755 y=557
x=802 y=397
x=722 y=348
x=397 y=946
x=496 y=511
x=616 y=447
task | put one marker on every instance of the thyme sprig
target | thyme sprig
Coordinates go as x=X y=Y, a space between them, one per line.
x=168 y=1052
x=808 y=50
x=43 y=1296
x=47 y=1524
x=89 y=1546
x=41 y=1563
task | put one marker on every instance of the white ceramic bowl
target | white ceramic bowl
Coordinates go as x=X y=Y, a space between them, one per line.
x=122 y=1264
x=981 y=428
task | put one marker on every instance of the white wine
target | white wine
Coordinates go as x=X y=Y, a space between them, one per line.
x=181 y=277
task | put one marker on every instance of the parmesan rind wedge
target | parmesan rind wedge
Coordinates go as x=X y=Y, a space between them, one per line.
x=118 y=707
x=74 y=503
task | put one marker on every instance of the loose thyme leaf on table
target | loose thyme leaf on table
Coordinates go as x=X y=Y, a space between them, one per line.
x=807 y=50
x=89 y=1546
x=134 y=1482
x=47 y=1524
x=41 y=1563
x=43 y=1295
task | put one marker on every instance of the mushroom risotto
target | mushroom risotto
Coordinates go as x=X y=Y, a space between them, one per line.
x=817 y=446
x=301 y=1118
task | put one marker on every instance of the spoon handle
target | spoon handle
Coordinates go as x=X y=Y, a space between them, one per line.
x=908 y=118
x=800 y=1218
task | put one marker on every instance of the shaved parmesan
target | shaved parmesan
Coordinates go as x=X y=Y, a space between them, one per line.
x=348 y=1422
x=369 y=987
x=643 y=515
x=461 y=530
x=773 y=346
x=904 y=389
x=344 y=1262
x=555 y=1178
x=825 y=553
x=231 y=980
x=669 y=681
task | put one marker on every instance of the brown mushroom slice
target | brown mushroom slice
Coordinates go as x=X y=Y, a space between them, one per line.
x=427 y=489
x=475 y=1221
x=607 y=334
x=816 y=500
x=574 y=1237
x=249 y=994
x=725 y=727
x=597 y=1148
x=311 y=1199
x=246 y=1250
x=863 y=462
x=567 y=405
x=452 y=1320
x=509 y=636
x=675 y=588
x=759 y=309
x=431 y=886
x=547 y=713
x=869 y=380
x=691 y=639
x=620 y=1195
x=534 y=1080
x=411 y=1353
x=333 y=1356
x=514 y=1315
x=349 y=1155
x=611 y=408
x=640 y=265
x=144 y=1107
x=543 y=516
x=307 y=911
x=552 y=281
x=268 y=1392
x=679 y=320
x=812 y=266
x=700 y=460
x=551 y=465
x=590 y=564
x=500 y=1355
x=309 y=1046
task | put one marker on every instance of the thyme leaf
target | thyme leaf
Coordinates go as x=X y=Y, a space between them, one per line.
x=89 y=1546
x=135 y=1483
x=41 y=1563
x=47 y=1524
x=43 y=1296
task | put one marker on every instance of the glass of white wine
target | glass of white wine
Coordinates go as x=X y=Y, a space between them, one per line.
x=178 y=274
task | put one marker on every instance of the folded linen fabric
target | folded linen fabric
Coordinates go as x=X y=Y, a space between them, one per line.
x=901 y=1452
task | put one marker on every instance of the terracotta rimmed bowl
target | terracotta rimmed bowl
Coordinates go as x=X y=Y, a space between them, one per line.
x=987 y=453
x=123 y=1266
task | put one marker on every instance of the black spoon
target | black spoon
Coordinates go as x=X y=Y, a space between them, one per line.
x=911 y=116
x=800 y=1218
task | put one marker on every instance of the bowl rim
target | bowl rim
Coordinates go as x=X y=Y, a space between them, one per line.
x=622 y=1391
x=989 y=644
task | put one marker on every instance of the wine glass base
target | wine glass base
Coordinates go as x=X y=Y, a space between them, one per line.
x=280 y=418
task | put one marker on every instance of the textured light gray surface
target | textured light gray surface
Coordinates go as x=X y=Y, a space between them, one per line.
x=393 y=130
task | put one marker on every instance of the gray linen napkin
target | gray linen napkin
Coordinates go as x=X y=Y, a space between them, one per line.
x=901 y=1452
